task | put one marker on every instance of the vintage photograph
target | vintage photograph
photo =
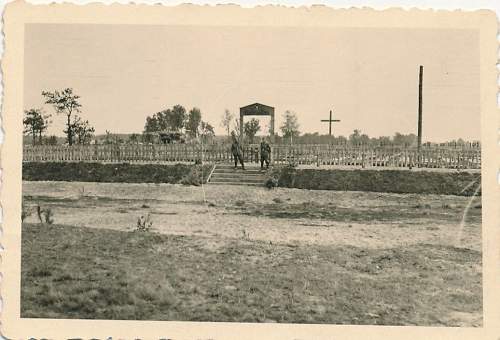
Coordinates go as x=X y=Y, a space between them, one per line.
x=252 y=175
x=262 y=174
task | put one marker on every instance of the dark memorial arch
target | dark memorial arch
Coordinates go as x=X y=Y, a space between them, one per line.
x=257 y=109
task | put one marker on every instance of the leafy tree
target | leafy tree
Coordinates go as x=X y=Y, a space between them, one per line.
x=310 y=138
x=151 y=124
x=290 y=126
x=167 y=120
x=206 y=131
x=381 y=141
x=355 y=137
x=133 y=138
x=64 y=102
x=108 y=139
x=364 y=139
x=251 y=128
x=51 y=140
x=227 y=118
x=82 y=130
x=35 y=122
x=147 y=137
x=341 y=140
x=405 y=140
x=177 y=118
x=193 y=122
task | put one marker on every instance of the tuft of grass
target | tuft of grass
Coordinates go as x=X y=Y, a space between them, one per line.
x=271 y=183
x=39 y=213
x=25 y=212
x=45 y=216
x=81 y=192
x=48 y=216
x=245 y=234
x=144 y=223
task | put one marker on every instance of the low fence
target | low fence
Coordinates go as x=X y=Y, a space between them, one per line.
x=390 y=156
x=359 y=156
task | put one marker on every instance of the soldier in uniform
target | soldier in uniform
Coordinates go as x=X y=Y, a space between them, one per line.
x=265 y=154
x=236 y=151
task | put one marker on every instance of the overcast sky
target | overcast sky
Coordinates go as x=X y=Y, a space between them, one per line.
x=369 y=77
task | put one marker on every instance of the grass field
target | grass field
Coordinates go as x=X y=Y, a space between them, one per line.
x=218 y=253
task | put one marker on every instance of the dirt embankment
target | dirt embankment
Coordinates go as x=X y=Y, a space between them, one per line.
x=396 y=181
x=115 y=173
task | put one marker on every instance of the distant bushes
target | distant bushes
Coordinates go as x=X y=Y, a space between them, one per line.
x=111 y=173
x=397 y=181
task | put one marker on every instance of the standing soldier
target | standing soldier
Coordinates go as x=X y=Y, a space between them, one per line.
x=236 y=151
x=265 y=154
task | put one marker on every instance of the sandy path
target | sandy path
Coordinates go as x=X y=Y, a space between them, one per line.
x=209 y=211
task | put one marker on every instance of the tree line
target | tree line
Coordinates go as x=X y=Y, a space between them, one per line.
x=177 y=121
x=65 y=103
x=358 y=138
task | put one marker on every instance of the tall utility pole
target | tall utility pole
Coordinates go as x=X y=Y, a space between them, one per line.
x=420 y=81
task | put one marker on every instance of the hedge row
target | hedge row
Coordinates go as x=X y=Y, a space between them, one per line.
x=114 y=173
x=397 y=181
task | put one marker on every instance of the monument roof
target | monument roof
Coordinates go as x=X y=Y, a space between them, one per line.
x=257 y=109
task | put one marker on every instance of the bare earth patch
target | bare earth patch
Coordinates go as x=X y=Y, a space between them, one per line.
x=283 y=255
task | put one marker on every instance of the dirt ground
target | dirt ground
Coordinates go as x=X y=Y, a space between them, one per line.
x=362 y=219
x=249 y=254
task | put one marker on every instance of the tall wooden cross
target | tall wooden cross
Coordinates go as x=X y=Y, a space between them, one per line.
x=330 y=121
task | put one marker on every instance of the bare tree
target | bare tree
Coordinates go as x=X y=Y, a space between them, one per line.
x=290 y=126
x=236 y=127
x=227 y=118
x=206 y=131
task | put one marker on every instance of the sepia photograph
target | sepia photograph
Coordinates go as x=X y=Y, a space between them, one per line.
x=251 y=173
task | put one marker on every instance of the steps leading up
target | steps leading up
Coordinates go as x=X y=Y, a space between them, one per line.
x=225 y=174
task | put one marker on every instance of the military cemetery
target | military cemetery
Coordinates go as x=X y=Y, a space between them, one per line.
x=250 y=210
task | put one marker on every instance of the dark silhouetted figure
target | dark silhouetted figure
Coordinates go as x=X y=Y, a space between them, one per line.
x=265 y=154
x=237 y=153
